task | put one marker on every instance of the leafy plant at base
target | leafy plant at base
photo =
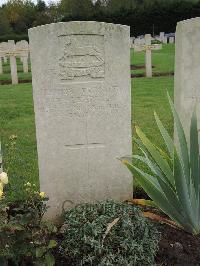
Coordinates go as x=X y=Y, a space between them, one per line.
x=108 y=233
x=25 y=238
x=174 y=179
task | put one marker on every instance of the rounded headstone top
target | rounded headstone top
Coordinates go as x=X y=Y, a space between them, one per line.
x=189 y=21
x=80 y=24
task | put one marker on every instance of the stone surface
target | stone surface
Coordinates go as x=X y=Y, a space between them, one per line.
x=148 y=60
x=23 y=49
x=13 y=63
x=81 y=87
x=162 y=36
x=1 y=66
x=187 y=70
x=5 y=59
x=171 y=39
x=165 y=40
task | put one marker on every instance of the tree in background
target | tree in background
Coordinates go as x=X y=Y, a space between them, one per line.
x=20 y=14
x=5 y=27
x=144 y=16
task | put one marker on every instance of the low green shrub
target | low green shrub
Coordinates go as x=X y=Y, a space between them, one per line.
x=108 y=233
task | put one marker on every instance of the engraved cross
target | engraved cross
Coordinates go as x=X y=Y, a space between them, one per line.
x=79 y=146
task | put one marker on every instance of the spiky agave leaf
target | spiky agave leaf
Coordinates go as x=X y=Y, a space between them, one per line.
x=175 y=188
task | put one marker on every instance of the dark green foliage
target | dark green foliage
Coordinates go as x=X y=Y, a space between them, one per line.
x=144 y=16
x=132 y=240
x=13 y=36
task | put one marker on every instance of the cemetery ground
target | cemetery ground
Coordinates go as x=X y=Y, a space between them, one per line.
x=17 y=131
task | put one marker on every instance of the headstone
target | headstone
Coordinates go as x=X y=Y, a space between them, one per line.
x=187 y=70
x=1 y=66
x=147 y=48
x=23 y=49
x=81 y=87
x=5 y=60
x=3 y=48
x=137 y=41
x=171 y=39
x=162 y=36
x=13 y=63
x=165 y=40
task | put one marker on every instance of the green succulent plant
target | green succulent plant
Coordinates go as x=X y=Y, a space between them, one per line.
x=173 y=180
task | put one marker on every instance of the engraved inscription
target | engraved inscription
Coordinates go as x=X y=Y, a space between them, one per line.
x=81 y=100
x=82 y=56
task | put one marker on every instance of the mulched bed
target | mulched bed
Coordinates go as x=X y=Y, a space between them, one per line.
x=178 y=248
x=6 y=82
x=158 y=74
x=135 y=67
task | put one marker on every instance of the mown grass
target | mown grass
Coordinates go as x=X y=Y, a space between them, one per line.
x=17 y=118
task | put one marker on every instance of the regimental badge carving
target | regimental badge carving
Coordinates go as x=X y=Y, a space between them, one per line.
x=82 y=57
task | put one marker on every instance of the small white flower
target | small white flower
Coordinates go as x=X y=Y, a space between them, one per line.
x=4 y=178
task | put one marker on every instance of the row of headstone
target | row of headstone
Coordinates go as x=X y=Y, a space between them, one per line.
x=11 y=50
x=165 y=38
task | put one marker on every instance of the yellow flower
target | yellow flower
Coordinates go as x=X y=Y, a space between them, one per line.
x=28 y=184
x=4 y=178
x=12 y=137
x=1 y=193
x=42 y=195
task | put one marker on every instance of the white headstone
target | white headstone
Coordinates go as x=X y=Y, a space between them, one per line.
x=81 y=86
x=3 y=49
x=1 y=66
x=165 y=40
x=23 y=49
x=171 y=39
x=148 y=47
x=187 y=70
x=162 y=36
x=5 y=60
x=13 y=63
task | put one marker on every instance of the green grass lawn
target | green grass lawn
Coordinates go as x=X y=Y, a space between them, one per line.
x=17 y=118
x=17 y=115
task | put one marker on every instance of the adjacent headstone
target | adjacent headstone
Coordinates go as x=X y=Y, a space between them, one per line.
x=187 y=70
x=3 y=49
x=81 y=87
x=23 y=49
x=1 y=66
x=165 y=40
x=148 y=47
x=171 y=39
x=5 y=60
x=13 y=64
x=162 y=36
